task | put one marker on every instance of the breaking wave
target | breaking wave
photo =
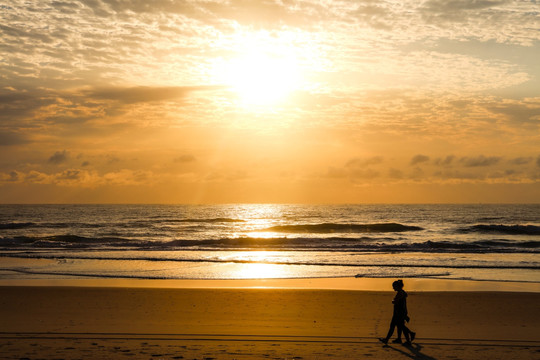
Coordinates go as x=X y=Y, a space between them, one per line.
x=503 y=229
x=16 y=225
x=310 y=262
x=128 y=224
x=337 y=244
x=343 y=228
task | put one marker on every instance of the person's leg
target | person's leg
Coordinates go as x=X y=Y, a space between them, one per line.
x=410 y=335
x=390 y=331
x=407 y=333
x=399 y=324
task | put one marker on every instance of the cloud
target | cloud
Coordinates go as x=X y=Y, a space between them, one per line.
x=376 y=15
x=444 y=161
x=226 y=176
x=70 y=175
x=473 y=169
x=362 y=174
x=458 y=175
x=418 y=159
x=445 y=6
x=66 y=7
x=186 y=158
x=8 y=138
x=520 y=160
x=81 y=178
x=27 y=115
x=336 y=173
x=12 y=176
x=131 y=95
x=504 y=20
x=112 y=159
x=538 y=161
x=480 y=161
x=16 y=105
x=139 y=79
x=526 y=111
x=15 y=32
x=460 y=11
x=262 y=13
x=356 y=169
x=395 y=173
x=36 y=177
x=59 y=157
x=360 y=162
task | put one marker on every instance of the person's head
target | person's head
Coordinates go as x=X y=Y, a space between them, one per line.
x=397 y=285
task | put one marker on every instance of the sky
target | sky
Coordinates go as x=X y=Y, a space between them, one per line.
x=203 y=101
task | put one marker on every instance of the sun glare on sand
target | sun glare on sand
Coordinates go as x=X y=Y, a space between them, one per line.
x=263 y=71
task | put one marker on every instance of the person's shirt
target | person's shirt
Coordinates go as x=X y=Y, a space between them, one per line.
x=400 y=303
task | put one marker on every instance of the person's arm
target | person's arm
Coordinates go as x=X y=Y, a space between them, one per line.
x=399 y=296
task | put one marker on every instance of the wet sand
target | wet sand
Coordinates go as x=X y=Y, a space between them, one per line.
x=88 y=322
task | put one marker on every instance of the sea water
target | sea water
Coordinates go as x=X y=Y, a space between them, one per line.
x=479 y=242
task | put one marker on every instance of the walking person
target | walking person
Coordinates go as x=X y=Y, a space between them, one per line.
x=399 y=317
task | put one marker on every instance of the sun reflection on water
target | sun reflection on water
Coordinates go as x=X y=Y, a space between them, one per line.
x=257 y=219
x=259 y=266
x=260 y=271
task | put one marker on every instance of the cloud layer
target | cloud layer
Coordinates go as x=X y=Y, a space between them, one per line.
x=99 y=94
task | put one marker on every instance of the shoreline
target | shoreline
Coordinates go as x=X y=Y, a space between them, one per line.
x=342 y=283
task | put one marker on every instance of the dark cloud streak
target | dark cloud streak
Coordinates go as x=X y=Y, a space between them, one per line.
x=418 y=159
x=360 y=162
x=186 y=158
x=59 y=157
x=8 y=138
x=139 y=94
x=521 y=160
x=480 y=161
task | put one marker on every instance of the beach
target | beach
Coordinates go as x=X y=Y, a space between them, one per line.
x=263 y=320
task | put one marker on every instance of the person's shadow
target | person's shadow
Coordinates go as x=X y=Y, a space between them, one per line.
x=415 y=352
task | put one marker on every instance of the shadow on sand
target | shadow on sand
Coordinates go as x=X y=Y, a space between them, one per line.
x=414 y=351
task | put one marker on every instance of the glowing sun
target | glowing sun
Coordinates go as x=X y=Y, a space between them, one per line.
x=263 y=69
x=262 y=79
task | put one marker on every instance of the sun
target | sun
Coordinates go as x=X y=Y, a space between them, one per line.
x=262 y=71
x=261 y=78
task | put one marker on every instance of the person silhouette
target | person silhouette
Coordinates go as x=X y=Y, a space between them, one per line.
x=399 y=317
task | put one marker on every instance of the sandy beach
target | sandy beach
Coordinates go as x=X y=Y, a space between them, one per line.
x=89 y=322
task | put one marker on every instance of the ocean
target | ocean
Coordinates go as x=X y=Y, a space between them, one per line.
x=247 y=241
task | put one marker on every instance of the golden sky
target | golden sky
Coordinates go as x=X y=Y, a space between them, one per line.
x=139 y=101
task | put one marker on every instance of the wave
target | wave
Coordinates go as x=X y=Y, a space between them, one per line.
x=159 y=221
x=64 y=241
x=337 y=244
x=211 y=220
x=483 y=245
x=503 y=229
x=53 y=225
x=75 y=241
x=342 y=228
x=132 y=224
x=86 y=274
x=16 y=225
x=63 y=258
x=388 y=274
